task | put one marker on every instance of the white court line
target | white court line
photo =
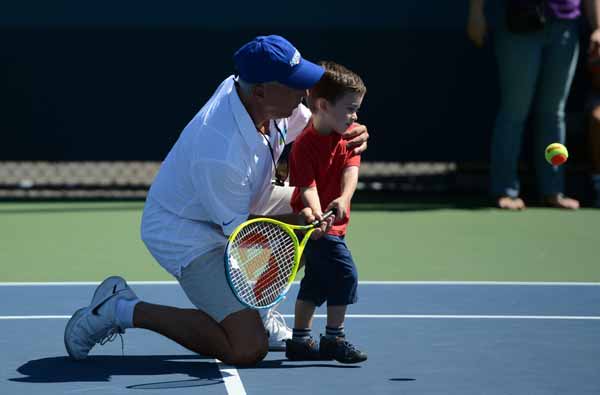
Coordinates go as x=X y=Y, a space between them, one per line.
x=231 y=379
x=541 y=283
x=66 y=283
x=469 y=317
x=375 y=316
x=34 y=317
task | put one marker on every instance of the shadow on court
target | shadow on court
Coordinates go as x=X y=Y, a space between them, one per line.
x=203 y=371
x=102 y=368
x=287 y=364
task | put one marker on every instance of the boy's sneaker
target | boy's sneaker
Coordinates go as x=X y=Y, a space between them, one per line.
x=302 y=350
x=97 y=323
x=341 y=350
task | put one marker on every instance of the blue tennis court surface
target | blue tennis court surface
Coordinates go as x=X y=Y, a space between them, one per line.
x=437 y=338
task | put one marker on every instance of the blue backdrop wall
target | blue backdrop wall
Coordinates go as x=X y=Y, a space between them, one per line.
x=119 y=80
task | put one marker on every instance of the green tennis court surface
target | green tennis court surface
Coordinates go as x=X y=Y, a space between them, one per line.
x=86 y=241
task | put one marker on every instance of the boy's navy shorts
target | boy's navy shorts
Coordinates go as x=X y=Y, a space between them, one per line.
x=330 y=273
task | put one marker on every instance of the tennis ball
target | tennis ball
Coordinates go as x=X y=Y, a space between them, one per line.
x=556 y=154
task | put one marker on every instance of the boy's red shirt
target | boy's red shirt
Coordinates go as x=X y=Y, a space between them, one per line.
x=318 y=160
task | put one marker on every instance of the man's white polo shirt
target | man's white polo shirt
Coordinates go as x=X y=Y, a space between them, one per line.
x=212 y=177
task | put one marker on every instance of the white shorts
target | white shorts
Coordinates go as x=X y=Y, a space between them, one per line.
x=205 y=284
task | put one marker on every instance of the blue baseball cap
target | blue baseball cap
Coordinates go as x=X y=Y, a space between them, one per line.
x=273 y=58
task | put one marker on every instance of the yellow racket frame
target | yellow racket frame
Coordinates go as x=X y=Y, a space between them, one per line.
x=298 y=250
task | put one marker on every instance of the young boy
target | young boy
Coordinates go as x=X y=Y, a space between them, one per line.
x=325 y=174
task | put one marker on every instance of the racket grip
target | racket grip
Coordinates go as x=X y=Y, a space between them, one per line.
x=326 y=214
x=329 y=213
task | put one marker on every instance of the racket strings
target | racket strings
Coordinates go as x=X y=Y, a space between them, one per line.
x=271 y=268
x=263 y=255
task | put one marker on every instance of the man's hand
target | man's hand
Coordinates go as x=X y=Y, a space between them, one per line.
x=357 y=137
x=594 y=47
x=477 y=26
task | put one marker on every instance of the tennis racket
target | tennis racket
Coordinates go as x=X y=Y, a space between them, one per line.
x=262 y=258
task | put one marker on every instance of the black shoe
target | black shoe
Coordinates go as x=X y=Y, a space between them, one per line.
x=302 y=350
x=340 y=350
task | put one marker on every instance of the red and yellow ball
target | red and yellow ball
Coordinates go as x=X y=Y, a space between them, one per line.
x=556 y=154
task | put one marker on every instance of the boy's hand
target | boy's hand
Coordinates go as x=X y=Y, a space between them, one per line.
x=341 y=205
x=306 y=216
x=311 y=216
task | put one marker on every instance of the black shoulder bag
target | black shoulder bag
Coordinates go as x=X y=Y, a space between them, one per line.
x=525 y=16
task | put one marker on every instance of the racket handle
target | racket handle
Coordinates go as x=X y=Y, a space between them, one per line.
x=326 y=215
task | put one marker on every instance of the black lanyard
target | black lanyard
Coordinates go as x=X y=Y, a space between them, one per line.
x=279 y=178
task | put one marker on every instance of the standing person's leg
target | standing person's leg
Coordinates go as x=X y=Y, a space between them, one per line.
x=519 y=58
x=336 y=315
x=312 y=293
x=560 y=60
x=302 y=346
x=303 y=314
x=341 y=282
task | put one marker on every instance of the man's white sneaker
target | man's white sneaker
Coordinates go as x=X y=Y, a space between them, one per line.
x=97 y=323
x=277 y=329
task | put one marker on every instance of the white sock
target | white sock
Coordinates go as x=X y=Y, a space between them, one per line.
x=124 y=313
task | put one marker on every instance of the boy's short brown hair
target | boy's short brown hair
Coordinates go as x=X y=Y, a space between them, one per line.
x=336 y=82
